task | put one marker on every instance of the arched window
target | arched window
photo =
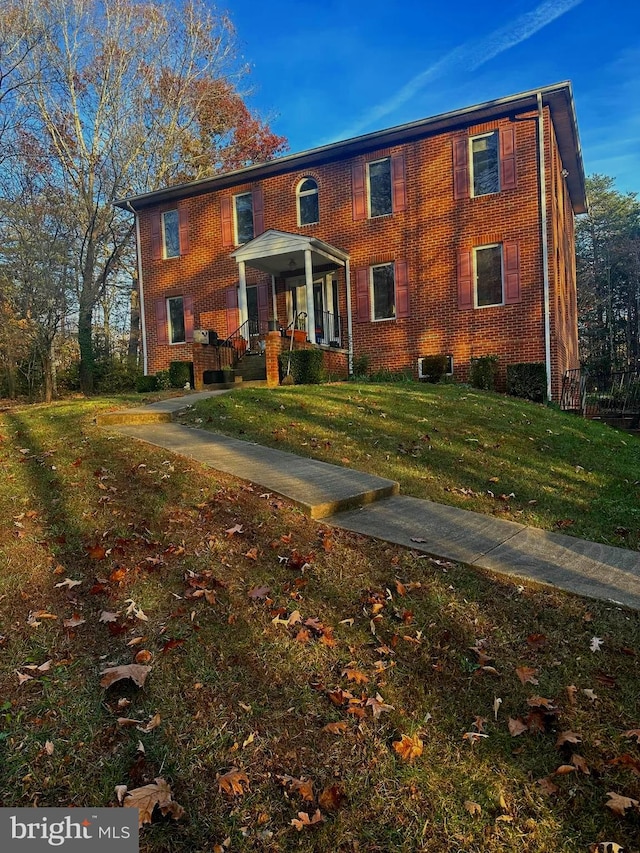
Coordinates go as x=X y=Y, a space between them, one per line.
x=308 y=209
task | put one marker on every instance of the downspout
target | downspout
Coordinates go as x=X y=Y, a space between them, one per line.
x=143 y=322
x=545 y=244
x=347 y=275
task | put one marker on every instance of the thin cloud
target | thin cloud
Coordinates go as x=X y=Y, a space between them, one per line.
x=470 y=56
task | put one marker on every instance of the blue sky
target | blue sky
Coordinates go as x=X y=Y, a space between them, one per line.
x=324 y=70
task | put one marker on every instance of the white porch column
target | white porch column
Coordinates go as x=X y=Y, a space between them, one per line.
x=243 y=312
x=311 y=314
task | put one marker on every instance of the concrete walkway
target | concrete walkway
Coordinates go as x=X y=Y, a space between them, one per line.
x=354 y=500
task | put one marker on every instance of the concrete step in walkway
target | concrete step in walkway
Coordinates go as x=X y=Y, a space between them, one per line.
x=318 y=488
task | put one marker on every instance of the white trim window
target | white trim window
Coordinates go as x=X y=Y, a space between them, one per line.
x=243 y=218
x=379 y=187
x=383 y=292
x=175 y=320
x=485 y=164
x=308 y=202
x=170 y=234
x=488 y=275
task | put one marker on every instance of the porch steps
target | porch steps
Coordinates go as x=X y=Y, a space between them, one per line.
x=133 y=416
x=252 y=367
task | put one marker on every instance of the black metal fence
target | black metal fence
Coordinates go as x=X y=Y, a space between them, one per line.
x=602 y=395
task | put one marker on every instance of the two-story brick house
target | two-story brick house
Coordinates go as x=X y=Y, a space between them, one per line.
x=450 y=235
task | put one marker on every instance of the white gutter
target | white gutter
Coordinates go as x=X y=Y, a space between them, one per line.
x=545 y=244
x=347 y=275
x=143 y=325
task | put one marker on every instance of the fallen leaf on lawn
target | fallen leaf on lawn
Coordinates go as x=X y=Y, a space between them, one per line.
x=516 y=727
x=127 y=722
x=23 y=678
x=68 y=583
x=249 y=740
x=619 y=804
x=588 y=692
x=473 y=737
x=536 y=641
x=303 y=787
x=233 y=782
x=96 y=552
x=568 y=737
x=121 y=790
x=505 y=818
x=303 y=818
x=472 y=808
x=143 y=656
x=108 y=616
x=73 y=621
x=633 y=733
x=547 y=786
x=355 y=675
x=335 y=728
x=252 y=554
x=596 y=644
x=44 y=667
x=540 y=702
x=138 y=674
x=564 y=769
x=571 y=693
x=580 y=764
x=237 y=528
x=605 y=847
x=259 y=592
x=527 y=674
x=478 y=723
x=496 y=707
x=378 y=705
x=153 y=723
x=49 y=747
x=148 y=797
x=408 y=747
x=331 y=798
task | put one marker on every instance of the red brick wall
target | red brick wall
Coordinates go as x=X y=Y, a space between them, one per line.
x=428 y=236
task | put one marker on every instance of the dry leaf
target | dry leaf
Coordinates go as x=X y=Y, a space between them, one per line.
x=571 y=693
x=68 y=583
x=23 y=678
x=472 y=808
x=588 y=692
x=304 y=820
x=148 y=797
x=138 y=674
x=517 y=727
x=303 y=787
x=332 y=798
x=496 y=707
x=619 y=804
x=526 y=674
x=605 y=847
x=335 y=728
x=107 y=616
x=580 y=764
x=153 y=723
x=596 y=644
x=408 y=748
x=548 y=786
x=49 y=747
x=378 y=706
x=120 y=790
x=73 y=621
x=143 y=656
x=633 y=733
x=568 y=737
x=233 y=782
x=355 y=675
x=473 y=737
x=564 y=769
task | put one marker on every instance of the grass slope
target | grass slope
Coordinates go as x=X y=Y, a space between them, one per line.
x=261 y=629
x=472 y=449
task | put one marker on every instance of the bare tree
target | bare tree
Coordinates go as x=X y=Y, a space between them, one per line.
x=130 y=96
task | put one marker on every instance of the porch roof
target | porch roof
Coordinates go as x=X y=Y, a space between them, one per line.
x=281 y=253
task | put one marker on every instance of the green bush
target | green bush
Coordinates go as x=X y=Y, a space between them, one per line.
x=164 y=382
x=180 y=372
x=306 y=366
x=434 y=367
x=527 y=380
x=113 y=375
x=483 y=371
x=145 y=384
x=361 y=365
x=391 y=376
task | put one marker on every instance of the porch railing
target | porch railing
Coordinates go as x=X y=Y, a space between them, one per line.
x=329 y=329
x=605 y=395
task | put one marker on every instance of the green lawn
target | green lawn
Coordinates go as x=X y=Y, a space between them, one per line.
x=473 y=449
x=309 y=689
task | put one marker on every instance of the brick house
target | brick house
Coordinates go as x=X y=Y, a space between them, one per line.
x=450 y=235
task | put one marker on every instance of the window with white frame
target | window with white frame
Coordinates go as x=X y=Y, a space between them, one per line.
x=175 y=319
x=488 y=275
x=383 y=292
x=308 y=207
x=379 y=185
x=243 y=217
x=170 y=234
x=485 y=164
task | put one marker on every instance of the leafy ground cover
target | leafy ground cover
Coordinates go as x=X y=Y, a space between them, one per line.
x=473 y=449
x=292 y=686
